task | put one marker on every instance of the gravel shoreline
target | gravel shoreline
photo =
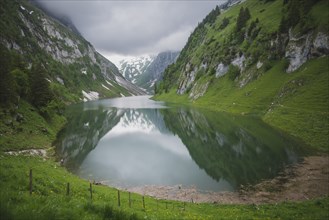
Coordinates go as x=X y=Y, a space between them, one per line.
x=306 y=180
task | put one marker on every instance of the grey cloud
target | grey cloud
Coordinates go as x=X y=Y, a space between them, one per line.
x=134 y=27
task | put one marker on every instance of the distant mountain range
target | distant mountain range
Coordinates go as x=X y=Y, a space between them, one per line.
x=145 y=71
x=133 y=68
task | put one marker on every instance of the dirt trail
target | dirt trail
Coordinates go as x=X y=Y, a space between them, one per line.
x=306 y=180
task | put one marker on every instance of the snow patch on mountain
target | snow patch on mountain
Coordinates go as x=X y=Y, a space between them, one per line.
x=88 y=96
x=104 y=86
x=108 y=83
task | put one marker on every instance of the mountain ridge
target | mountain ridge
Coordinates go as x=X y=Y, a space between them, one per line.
x=66 y=21
x=70 y=62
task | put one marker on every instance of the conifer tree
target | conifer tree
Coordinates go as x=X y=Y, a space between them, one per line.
x=243 y=17
x=22 y=82
x=7 y=82
x=41 y=94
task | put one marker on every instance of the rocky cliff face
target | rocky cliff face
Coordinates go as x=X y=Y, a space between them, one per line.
x=302 y=48
x=38 y=37
x=297 y=51
x=60 y=45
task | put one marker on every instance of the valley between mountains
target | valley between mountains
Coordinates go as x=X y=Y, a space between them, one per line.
x=233 y=125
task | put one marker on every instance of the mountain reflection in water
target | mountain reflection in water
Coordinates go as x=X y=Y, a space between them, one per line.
x=134 y=141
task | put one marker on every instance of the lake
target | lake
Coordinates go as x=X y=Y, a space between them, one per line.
x=134 y=141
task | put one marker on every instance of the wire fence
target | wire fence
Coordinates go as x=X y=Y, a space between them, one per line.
x=129 y=201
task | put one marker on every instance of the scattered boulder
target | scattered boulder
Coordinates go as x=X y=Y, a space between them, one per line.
x=259 y=64
x=44 y=130
x=320 y=45
x=19 y=117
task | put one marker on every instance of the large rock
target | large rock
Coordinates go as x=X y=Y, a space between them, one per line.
x=187 y=79
x=320 y=45
x=239 y=61
x=221 y=70
x=301 y=49
x=198 y=90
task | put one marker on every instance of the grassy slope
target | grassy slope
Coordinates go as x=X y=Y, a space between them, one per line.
x=49 y=200
x=300 y=100
x=33 y=132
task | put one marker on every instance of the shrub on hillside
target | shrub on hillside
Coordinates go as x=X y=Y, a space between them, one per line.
x=233 y=72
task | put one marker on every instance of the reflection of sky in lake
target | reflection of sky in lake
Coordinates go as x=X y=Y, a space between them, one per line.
x=133 y=102
x=136 y=153
x=134 y=141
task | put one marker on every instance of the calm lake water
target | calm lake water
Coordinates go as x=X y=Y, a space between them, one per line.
x=134 y=141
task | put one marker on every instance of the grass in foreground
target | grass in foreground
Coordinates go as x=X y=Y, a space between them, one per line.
x=49 y=199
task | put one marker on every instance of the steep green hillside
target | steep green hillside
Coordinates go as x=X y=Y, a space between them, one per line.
x=74 y=69
x=45 y=66
x=268 y=58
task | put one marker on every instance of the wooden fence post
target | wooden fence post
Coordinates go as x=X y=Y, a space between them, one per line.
x=119 y=198
x=68 y=189
x=91 y=191
x=30 y=181
x=129 y=200
x=143 y=203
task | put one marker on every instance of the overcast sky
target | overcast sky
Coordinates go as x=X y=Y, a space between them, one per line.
x=133 y=28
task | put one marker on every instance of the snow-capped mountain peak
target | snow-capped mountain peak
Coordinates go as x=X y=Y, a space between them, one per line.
x=132 y=68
